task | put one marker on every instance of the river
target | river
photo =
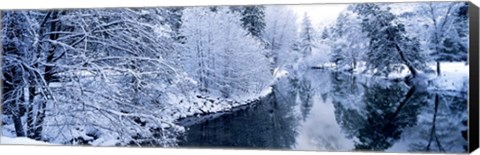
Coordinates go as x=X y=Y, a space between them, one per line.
x=330 y=111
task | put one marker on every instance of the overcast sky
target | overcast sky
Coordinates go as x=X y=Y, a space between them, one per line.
x=320 y=15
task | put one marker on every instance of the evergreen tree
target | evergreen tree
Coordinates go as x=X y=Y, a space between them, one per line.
x=325 y=34
x=388 y=43
x=253 y=20
x=174 y=20
x=307 y=37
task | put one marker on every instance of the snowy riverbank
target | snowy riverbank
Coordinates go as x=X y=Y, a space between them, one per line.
x=180 y=107
x=454 y=75
x=204 y=106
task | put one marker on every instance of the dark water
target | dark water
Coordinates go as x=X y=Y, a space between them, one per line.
x=340 y=112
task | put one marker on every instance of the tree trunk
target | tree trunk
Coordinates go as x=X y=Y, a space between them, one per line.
x=17 y=121
x=405 y=61
x=354 y=64
x=35 y=122
x=15 y=107
x=39 y=122
x=433 y=129
x=405 y=100
x=438 y=68
x=30 y=112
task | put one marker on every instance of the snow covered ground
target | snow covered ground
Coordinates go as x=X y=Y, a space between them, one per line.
x=208 y=105
x=454 y=75
x=180 y=107
x=279 y=73
x=21 y=140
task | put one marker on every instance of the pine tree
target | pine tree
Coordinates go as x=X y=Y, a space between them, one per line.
x=326 y=33
x=253 y=20
x=307 y=37
x=174 y=20
x=388 y=43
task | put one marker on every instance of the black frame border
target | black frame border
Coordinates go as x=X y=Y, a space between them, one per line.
x=473 y=93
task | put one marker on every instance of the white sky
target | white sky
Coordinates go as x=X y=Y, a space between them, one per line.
x=320 y=14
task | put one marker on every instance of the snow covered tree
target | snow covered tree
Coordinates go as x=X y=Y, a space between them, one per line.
x=100 y=72
x=174 y=20
x=348 y=41
x=326 y=33
x=15 y=42
x=30 y=40
x=124 y=52
x=280 y=34
x=443 y=27
x=253 y=20
x=216 y=51
x=233 y=49
x=199 y=43
x=307 y=37
x=388 y=42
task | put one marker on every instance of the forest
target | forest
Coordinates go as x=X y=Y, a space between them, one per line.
x=126 y=76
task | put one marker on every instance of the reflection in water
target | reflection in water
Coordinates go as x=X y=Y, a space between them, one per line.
x=270 y=124
x=389 y=110
x=443 y=125
x=318 y=130
x=301 y=89
x=321 y=131
x=334 y=111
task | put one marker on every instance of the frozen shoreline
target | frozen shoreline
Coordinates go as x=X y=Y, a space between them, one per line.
x=454 y=75
x=214 y=107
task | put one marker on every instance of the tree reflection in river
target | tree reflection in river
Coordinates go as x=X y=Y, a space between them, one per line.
x=388 y=109
x=319 y=130
x=442 y=125
x=270 y=124
x=347 y=95
x=301 y=89
x=323 y=110
x=375 y=112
